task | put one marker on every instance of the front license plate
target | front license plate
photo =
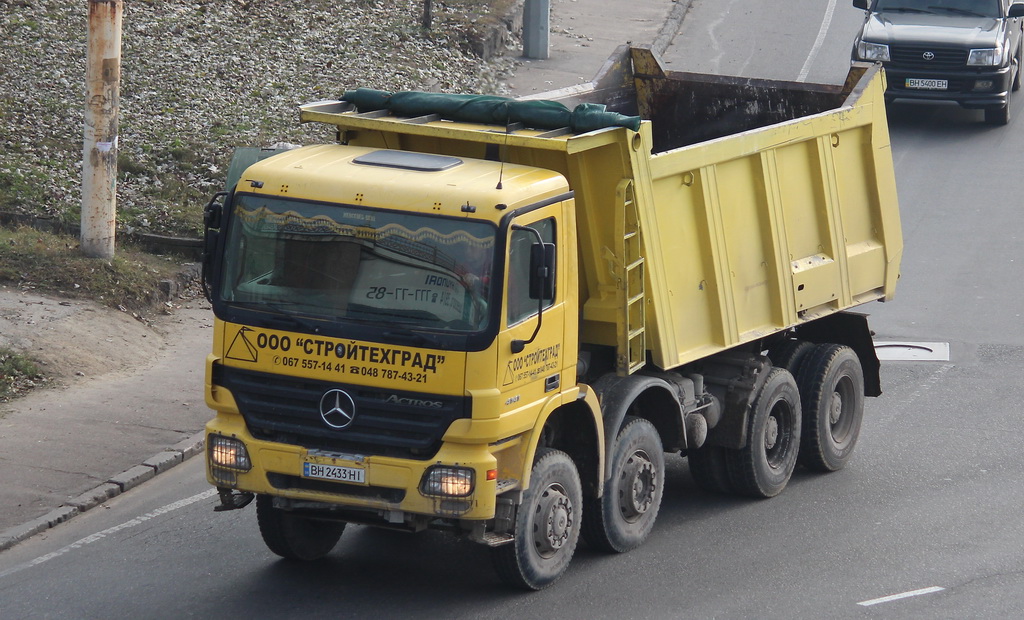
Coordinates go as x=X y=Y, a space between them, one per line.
x=927 y=84
x=334 y=472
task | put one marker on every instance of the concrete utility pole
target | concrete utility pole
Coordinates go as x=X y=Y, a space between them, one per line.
x=537 y=29
x=99 y=154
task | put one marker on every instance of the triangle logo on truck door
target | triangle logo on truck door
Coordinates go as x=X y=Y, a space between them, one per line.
x=241 y=349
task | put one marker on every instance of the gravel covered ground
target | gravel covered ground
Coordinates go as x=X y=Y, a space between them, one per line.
x=200 y=77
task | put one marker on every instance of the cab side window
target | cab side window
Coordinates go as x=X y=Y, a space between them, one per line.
x=520 y=306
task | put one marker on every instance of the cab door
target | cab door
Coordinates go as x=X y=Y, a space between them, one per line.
x=530 y=343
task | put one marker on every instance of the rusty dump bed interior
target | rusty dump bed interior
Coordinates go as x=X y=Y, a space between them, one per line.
x=687 y=108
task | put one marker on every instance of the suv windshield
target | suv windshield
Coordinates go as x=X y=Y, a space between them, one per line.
x=980 y=8
x=369 y=266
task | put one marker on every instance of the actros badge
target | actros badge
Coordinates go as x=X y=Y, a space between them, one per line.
x=337 y=408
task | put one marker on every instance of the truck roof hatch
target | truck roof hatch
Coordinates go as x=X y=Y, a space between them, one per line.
x=421 y=162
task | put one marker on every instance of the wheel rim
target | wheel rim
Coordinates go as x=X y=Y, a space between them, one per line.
x=554 y=520
x=778 y=434
x=840 y=410
x=637 y=486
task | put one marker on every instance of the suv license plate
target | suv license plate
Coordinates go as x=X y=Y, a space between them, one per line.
x=927 y=84
x=334 y=472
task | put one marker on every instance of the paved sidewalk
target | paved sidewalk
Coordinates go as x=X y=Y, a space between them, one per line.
x=63 y=451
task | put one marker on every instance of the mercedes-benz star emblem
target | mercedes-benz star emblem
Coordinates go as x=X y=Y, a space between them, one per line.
x=337 y=408
x=928 y=55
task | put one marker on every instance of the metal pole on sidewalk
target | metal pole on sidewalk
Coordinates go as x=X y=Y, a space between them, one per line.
x=536 y=29
x=99 y=153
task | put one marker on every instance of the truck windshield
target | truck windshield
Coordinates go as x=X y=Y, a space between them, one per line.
x=341 y=262
x=979 y=8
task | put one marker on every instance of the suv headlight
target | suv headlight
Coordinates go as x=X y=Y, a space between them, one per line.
x=988 y=57
x=873 y=52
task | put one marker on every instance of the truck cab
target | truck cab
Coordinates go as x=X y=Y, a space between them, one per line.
x=965 y=51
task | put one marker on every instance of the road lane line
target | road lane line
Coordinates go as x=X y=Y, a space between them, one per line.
x=896 y=597
x=825 y=23
x=111 y=530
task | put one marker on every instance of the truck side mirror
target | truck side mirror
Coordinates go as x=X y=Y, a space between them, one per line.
x=1016 y=10
x=213 y=216
x=542 y=271
x=861 y=4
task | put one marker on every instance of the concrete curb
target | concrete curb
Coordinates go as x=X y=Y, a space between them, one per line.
x=116 y=485
x=670 y=28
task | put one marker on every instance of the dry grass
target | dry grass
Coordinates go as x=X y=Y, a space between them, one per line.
x=50 y=263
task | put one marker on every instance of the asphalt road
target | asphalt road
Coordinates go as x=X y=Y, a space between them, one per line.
x=928 y=512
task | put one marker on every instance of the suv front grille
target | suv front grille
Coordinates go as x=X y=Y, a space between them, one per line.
x=913 y=58
x=287 y=410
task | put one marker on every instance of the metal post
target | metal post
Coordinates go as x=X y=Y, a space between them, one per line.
x=428 y=15
x=99 y=153
x=536 y=28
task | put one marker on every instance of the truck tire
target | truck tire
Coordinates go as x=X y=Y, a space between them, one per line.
x=709 y=470
x=789 y=354
x=832 y=393
x=294 y=537
x=763 y=467
x=547 y=525
x=623 y=518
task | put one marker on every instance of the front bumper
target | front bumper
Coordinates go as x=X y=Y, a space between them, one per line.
x=391 y=489
x=969 y=88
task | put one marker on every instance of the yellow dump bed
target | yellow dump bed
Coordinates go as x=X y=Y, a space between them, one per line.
x=740 y=208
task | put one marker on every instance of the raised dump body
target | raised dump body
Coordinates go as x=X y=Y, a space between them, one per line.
x=498 y=317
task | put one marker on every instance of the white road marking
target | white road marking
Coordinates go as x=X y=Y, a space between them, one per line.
x=896 y=597
x=111 y=530
x=825 y=23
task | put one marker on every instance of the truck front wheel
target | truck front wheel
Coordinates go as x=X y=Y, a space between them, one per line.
x=832 y=391
x=764 y=466
x=623 y=518
x=547 y=524
x=294 y=537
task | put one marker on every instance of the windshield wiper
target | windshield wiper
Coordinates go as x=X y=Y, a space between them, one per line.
x=958 y=11
x=905 y=9
x=285 y=317
x=409 y=336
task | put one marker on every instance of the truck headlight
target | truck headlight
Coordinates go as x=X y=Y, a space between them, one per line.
x=228 y=453
x=873 y=52
x=447 y=481
x=988 y=57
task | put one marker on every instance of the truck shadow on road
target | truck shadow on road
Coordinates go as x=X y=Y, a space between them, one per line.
x=433 y=574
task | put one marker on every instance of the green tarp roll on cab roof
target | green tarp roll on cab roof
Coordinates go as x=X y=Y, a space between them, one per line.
x=490 y=109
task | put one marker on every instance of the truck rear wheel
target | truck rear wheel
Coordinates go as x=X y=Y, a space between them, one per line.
x=832 y=392
x=294 y=537
x=763 y=467
x=547 y=524
x=623 y=518
x=789 y=354
x=709 y=470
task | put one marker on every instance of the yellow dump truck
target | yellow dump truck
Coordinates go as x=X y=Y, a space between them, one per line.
x=497 y=317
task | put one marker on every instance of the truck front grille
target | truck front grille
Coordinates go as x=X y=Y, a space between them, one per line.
x=913 y=57
x=386 y=422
